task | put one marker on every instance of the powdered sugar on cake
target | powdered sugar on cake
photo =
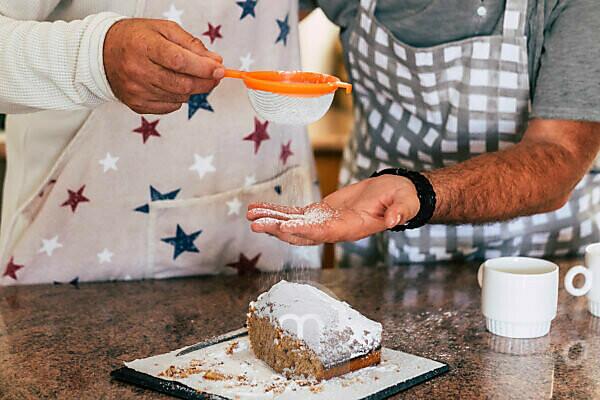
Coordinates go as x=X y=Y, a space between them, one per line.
x=332 y=329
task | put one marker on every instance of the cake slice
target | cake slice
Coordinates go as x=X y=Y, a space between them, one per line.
x=298 y=330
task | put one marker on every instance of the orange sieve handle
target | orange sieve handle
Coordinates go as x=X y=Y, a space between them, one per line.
x=232 y=73
x=344 y=85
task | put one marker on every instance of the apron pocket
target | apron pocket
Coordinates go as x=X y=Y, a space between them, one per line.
x=210 y=234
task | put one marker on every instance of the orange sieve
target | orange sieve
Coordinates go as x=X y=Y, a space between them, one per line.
x=290 y=97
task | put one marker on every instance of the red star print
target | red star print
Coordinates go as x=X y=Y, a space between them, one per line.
x=75 y=198
x=213 y=32
x=245 y=265
x=12 y=268
x=286 y=152
x=259 y=135
x=147 y=129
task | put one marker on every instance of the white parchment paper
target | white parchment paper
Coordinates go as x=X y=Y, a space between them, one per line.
x=237 y=374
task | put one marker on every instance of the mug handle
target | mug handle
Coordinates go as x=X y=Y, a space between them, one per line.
x=480 y=276
x=573 y=272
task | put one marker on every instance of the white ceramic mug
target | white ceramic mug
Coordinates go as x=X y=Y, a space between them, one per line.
x=519 y=296
x=591 y=286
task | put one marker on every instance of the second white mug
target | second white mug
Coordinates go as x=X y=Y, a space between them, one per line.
x=591 y=286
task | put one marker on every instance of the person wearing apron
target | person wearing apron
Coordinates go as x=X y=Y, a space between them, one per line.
x=132 y=196
x=436 y=110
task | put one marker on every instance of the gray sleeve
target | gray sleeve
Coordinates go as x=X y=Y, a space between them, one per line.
x=568 y=82
x=307 y=5
x=341 y=13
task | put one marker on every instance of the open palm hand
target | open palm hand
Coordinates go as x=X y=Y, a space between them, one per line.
x=349 y=214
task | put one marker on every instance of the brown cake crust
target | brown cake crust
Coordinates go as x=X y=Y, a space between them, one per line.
x=291 y=357
x=372 y=358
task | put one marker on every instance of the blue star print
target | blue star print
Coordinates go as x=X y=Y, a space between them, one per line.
x=73 y=282
x=155 y=195
x=247 y=7
x=182 y=242
x=198 y=101
x=284 y=30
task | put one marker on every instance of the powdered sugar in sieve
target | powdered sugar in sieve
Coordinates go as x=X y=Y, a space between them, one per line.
x=289 y=110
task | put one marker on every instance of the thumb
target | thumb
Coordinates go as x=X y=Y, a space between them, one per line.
x=395 y=215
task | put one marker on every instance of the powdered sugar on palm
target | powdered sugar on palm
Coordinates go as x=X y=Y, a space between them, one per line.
x=317 y=214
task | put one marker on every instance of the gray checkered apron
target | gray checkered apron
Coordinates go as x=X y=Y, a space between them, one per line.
x=426 y=108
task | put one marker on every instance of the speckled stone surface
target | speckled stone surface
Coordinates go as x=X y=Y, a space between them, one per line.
x=59 y=342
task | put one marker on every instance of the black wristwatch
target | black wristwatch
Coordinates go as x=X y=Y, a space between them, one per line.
x=425 y=193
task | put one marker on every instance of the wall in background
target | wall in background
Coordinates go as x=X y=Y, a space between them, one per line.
x=318 y=41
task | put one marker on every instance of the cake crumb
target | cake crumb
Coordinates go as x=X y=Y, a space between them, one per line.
x=169 y=372
x=179 y=373
x=316 y=388
x=275 y=388
x=215 y=376
x=234 y=345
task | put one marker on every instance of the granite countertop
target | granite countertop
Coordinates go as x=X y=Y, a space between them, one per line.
x=62 y=342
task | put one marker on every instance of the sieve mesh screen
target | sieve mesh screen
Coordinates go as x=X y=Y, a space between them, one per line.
x=289 y=110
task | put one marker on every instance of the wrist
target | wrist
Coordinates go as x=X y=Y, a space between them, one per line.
x=440 y=194
x=406 y=194
x=97 y=38
x=425 y=195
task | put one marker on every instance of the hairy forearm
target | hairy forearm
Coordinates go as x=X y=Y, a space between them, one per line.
x=536 y=175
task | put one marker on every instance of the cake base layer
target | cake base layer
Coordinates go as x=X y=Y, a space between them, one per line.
x=373 y=358
x=292 y=358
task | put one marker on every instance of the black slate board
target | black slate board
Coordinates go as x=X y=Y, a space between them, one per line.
x=171 y=388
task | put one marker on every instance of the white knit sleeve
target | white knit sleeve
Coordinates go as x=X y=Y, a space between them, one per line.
x=53 y=65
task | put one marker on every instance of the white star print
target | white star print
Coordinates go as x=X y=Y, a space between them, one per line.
x=234 y=206
x=246 y=62
x=49 y=245
x=250 y=180
x=105 y=256
x=203 y=165
x=173 y=14
x=109 y=162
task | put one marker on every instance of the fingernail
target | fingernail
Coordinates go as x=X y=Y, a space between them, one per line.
x=393 y=222
x=215 y=56
x=219 y=73
x=398 y=219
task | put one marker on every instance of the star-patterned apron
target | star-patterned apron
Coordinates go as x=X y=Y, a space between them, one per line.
x=135 y=197
x=426 y=108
